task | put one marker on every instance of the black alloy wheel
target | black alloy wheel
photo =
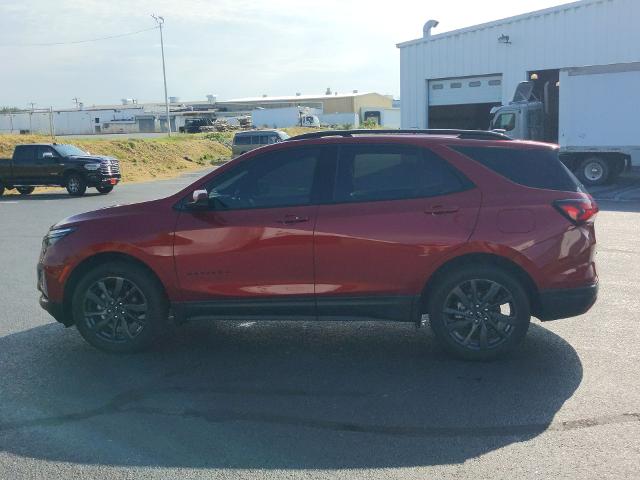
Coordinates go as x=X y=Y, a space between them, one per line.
x=479 y=312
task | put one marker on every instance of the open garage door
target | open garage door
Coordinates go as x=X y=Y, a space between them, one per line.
x=463 y=102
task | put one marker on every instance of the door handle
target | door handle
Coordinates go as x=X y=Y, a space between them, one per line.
x=441 y=209
x=291 y=219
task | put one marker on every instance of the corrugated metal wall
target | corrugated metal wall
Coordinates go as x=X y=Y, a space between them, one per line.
x=590 y=32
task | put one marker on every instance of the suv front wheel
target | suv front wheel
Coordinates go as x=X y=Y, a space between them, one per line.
x=479 y=312
x=120 y=307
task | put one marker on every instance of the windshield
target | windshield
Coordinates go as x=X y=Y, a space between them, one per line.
x=69 y=150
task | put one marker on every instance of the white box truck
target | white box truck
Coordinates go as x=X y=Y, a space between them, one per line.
x=592 y=112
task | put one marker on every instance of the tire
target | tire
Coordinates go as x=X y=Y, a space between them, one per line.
x=76 y=185
x=99 y=319
x=105 y=189
x=594 y=171
x=25 y=190
x=503 y=318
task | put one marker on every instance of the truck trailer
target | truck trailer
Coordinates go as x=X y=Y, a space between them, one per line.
x=591 y=112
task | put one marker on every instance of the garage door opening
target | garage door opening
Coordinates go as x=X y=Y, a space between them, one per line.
x=476 y=116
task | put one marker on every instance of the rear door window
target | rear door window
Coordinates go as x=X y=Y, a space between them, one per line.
x=242 y=140
x=390 y=172
x=25 y=154
x=531 y=167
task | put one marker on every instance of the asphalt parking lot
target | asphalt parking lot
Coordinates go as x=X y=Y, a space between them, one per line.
x=273 y=400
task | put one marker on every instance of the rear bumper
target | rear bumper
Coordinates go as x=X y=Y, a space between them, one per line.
x=565 y=303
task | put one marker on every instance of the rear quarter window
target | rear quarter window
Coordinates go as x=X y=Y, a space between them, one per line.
x=535 y=168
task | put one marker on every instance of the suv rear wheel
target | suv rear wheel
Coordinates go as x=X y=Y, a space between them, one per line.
x=120 y=307
x=76 y=185
x=479 y=312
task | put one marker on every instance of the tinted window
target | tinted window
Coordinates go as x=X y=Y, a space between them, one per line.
x=42 y=150
x=275 y=179
x=537 y=168
x=24 y=154
x=242 y=140
x=370 y=173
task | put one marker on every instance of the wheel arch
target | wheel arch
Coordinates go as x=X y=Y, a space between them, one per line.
x=100 y=259
x=72 y=171
x=486 y=259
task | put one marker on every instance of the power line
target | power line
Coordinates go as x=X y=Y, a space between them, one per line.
x=54 y=44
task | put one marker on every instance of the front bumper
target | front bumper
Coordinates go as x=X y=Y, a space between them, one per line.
x=99 y=179
x=565 y=303
x=56 y=310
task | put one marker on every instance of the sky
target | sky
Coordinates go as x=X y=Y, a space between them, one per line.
x=229 y=48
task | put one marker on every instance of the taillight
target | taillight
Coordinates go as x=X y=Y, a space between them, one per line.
x=579 y=210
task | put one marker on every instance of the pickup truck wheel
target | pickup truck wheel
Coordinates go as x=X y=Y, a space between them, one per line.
x=594 y=171
x=76 y=185
x=104 y=189
x=25 y=190
x=479 y=312
x=119 y=307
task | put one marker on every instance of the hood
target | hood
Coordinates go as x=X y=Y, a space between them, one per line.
x=132 y=211
x=93 y=158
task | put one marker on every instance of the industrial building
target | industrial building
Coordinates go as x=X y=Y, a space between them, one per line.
x=133 y=117
x=454 y=79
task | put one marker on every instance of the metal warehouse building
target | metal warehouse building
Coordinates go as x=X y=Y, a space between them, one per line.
x=452 y=80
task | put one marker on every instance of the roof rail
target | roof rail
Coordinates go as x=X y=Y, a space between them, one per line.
x=462 y=134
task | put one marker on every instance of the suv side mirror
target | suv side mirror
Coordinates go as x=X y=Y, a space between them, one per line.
x=200 y=200
x=47 y=155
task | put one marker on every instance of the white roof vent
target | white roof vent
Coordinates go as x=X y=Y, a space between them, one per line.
x=426 y=30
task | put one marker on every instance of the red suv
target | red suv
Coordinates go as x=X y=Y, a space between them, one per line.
x=471 y=230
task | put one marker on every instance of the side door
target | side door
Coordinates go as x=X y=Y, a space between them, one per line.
x=395 y=211
x=251 y=252
x=49 y=165
x=24 y=166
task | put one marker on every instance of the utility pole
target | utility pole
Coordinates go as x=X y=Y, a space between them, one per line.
x=51 y=126
x=33 y=105
x=160 y=21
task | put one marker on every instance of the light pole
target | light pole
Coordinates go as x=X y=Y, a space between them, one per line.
x=160 y=21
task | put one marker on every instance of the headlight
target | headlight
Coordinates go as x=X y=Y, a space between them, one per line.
x=56 y=234
x=92 y=166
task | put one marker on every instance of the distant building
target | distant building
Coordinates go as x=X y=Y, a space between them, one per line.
x=134 y=117
x=328 y=103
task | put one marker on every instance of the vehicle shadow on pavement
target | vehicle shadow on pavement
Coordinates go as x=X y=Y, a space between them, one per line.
x=276 y=396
